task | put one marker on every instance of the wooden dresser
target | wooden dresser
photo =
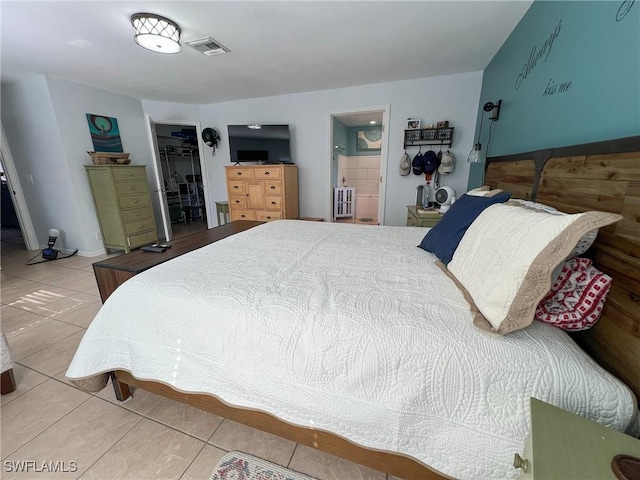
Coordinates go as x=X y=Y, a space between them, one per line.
x=262 y=192
x=123 y=205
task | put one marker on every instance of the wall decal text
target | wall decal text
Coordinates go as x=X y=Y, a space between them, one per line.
x=623 y=9
x=536 y=54
x=554 y=87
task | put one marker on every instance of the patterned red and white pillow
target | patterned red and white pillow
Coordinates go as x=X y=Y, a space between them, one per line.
x=577 y=296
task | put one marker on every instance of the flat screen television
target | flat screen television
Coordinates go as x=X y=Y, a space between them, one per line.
x=259 y=143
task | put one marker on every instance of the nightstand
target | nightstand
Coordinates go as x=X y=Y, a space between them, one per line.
x=565 y=446
x=422 y=218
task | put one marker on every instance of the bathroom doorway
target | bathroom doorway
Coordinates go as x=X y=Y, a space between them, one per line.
x=358 y=142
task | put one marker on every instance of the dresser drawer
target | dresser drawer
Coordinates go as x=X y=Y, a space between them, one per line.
x=238 y=201
x=273 y=187
x=236 y=186
x=239 y=173
x=267 y=172
x=145 y=225
x=412 y=221
x=142 y=239
x=268 y=216
x=128 y=174
x=136 y=214
x=273 y=203
x=242 y=215
x=130 y=201
x=131 y=187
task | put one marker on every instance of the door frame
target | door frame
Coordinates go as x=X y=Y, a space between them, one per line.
x=384 y=108
x=158 y=166
x=19 y=202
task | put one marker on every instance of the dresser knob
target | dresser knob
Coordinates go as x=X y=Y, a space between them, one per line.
x=236 y=187
x=273 y=203
x=139 y=226
x=272 y=187
x=519 y=462
x=239 y=173
x=266 y=173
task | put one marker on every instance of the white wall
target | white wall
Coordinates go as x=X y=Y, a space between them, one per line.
x=46 y=127
x=454 y=98
x=71 y=102
x=38 y=152
x=160 y=111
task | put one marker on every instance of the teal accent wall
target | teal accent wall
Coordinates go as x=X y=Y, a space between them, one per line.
x=352 y=144
x=569 y=73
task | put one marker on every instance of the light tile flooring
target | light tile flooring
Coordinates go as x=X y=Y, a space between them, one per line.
x=46 y=309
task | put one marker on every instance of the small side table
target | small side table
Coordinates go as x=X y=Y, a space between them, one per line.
x=422 y=218
x=222 y=208
x=565 y=446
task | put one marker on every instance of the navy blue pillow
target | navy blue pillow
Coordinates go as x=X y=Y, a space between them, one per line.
x=444 y=237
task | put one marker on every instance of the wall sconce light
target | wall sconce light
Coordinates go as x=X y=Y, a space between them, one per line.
x=476 y=155
x=493 y=107
x=156 y=33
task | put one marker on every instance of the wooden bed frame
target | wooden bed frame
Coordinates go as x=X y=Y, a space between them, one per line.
x=599 y=176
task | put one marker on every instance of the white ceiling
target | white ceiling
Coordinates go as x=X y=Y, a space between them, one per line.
x=276 y=47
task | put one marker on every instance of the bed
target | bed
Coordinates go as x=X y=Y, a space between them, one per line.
x=350 y=339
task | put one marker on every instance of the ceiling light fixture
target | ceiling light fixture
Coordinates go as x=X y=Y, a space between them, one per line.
x=156 y=33
x=372 y=122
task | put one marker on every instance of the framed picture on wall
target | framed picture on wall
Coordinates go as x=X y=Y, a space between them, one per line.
x=370 y=139
x=105 y=133
x=413 y=123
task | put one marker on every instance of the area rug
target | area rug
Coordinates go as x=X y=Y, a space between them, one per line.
x=242 y=466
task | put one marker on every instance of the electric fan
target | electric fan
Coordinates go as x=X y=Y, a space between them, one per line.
x=445 y=197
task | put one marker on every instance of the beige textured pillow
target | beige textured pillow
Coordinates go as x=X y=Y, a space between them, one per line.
x=505 y=260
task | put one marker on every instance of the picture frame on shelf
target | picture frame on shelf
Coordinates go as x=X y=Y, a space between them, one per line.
x=413 y=123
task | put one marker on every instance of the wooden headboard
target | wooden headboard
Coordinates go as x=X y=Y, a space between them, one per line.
x=601 y=176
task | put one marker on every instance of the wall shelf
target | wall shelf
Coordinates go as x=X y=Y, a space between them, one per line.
x=428 y=136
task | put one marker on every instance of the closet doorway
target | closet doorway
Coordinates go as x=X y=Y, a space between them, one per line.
x=359 y=139
x=180 y=173
x=15 y=213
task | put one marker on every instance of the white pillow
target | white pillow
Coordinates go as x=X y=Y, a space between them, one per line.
x=505 y=260
x=585 y=241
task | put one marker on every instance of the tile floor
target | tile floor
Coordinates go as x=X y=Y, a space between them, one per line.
x=45 y=310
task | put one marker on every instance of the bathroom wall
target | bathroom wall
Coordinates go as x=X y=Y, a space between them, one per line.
x=361 y=172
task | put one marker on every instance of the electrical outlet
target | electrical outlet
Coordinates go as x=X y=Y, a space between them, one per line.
x=98 y=236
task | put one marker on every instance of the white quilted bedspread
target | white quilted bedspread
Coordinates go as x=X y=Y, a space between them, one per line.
x=350 y=329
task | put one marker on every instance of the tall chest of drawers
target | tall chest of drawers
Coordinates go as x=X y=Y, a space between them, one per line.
x=262 y=192
x=123 y=204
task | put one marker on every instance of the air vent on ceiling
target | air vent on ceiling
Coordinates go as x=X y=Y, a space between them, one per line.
x=208 y=46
